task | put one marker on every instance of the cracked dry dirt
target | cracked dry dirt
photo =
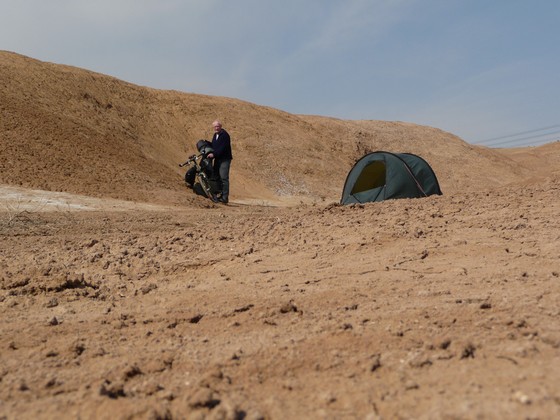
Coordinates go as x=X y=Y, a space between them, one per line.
x=444 y=307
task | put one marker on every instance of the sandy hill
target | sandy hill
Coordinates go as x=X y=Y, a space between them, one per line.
x=69 y=129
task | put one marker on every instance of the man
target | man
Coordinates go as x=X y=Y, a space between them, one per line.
x=222 y=155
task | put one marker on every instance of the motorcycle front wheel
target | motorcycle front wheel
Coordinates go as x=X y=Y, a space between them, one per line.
x=205 y=184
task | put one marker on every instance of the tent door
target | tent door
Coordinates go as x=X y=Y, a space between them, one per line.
x=374 y=175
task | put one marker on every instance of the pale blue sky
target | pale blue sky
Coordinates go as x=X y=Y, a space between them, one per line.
x=485 y=70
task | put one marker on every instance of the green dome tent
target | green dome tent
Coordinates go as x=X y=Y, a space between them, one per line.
x=381 y=176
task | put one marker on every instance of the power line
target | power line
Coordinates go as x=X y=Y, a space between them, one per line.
x=554 y=134
x=524 y=142
x=518 y=134
x=515 y=140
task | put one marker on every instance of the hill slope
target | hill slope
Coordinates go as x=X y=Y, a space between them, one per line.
x=69 y=129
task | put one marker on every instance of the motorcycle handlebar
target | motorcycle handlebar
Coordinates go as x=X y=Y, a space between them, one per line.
x=191 y=158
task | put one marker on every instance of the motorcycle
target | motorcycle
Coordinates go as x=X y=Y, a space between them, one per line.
x=200 y=176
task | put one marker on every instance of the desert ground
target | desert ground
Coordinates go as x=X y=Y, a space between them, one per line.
x=125 y=295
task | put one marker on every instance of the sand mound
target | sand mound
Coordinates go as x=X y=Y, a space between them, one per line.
x=68 y=129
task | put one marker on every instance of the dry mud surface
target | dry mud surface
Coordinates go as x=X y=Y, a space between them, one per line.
x=125 y=295
x=444 y=307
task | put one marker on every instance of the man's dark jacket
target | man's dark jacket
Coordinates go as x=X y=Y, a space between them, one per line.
x=222 y=146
